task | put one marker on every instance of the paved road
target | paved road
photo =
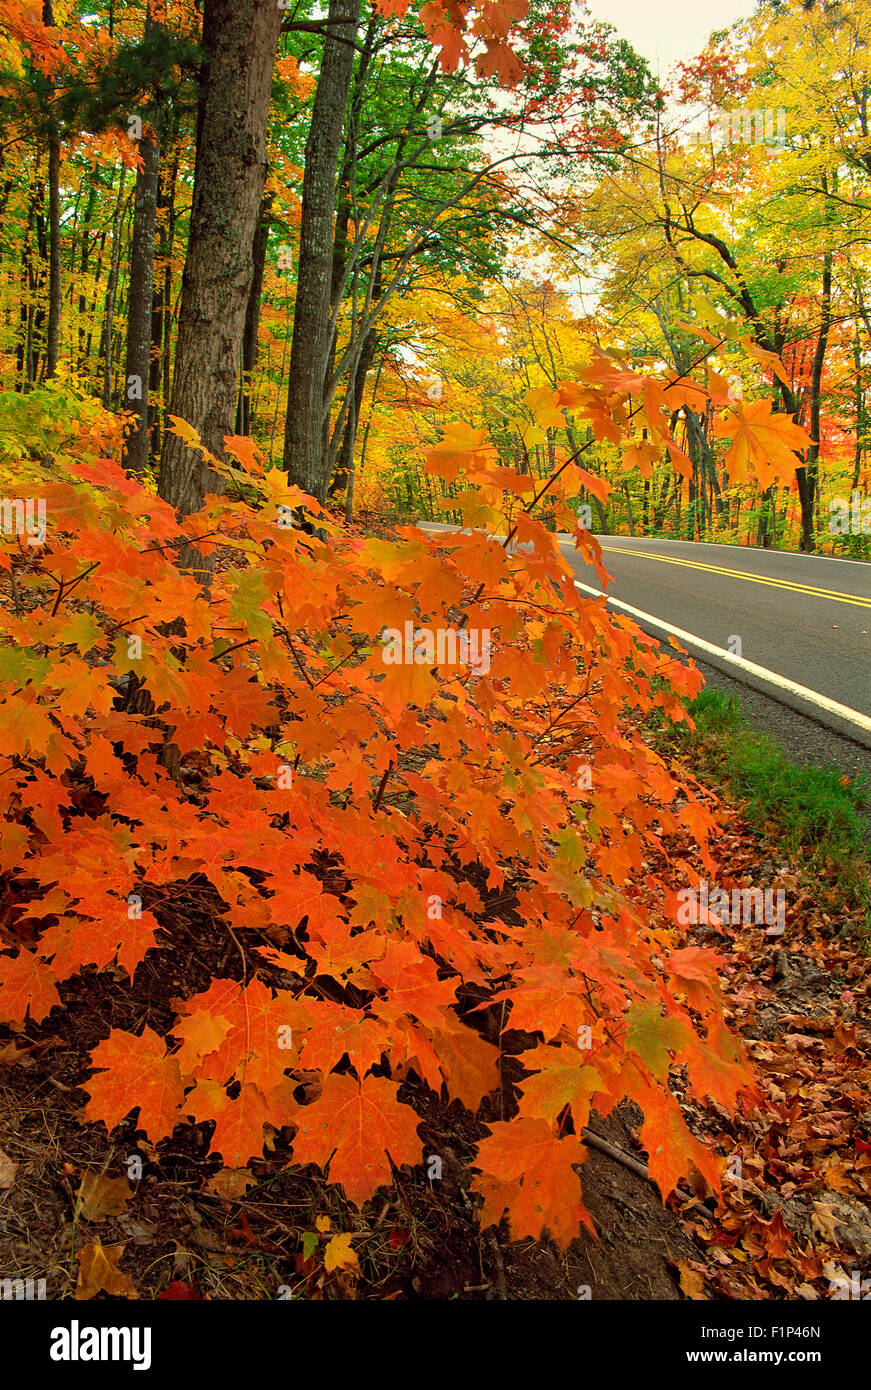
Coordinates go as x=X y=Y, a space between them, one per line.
x=803 y=623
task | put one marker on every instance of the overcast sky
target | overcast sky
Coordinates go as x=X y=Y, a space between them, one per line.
x=666 y=32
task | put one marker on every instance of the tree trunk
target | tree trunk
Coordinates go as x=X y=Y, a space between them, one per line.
x=240 y=38
x=310 y=345
x=137 y=372
x=111 y=292
x=161 y=312
x=84 y=266
x=860 y=410
x=244 y=410
x=812 y=466
x=52 y=346
x=345 y=462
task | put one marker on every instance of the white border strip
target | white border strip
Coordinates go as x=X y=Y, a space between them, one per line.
x=852 y=716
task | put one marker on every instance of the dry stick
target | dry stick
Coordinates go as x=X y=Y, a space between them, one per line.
x=634 y=1164
x=501 y=1286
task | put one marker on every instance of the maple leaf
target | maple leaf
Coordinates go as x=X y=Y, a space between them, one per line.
x=260 y=1042
x=651 y=1035
x=405 y=684
x=342 y=1030
x=671 y=1147
x=469 y=1064
x=99 y=1272
x=461 y=447
x=768 y=441
x=525 y=1166
x=101 y=1198
x=138 y=1074
x=562 y=1078
x=339 y=1255
x=27 y=987
x=413 y=985
x=353 y=1127
x=201 y=1033
x=245 y=704
x=239 y=1122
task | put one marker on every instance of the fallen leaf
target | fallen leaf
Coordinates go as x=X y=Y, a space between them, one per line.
x=101 y=1198
x=98 y=1270
x=339 y=1255
x=692 y=1283
x=7 y=1170
x=179 y=1290
x=231 y=1182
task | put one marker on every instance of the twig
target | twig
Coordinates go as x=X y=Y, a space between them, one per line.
x=501 y=1286
x=380 y=792
x=634 y=1164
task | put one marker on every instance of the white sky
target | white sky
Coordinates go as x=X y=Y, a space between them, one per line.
x=666 y=32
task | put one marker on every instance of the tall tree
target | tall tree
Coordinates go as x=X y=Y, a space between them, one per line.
x=52 y=348
x=239 y=44
x=311 y=343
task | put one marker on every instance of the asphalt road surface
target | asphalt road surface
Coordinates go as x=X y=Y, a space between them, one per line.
x=791 y=634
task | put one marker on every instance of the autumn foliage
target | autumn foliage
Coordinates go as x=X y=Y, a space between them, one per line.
x=408 y=863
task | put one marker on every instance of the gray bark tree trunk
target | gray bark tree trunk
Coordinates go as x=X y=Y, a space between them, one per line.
x=311 y=342
x=111 y=293
x=240 y=38
x=52 y=346
x=137 y=371
x=245 y=409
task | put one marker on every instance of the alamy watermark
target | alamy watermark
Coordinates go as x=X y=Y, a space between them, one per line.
x=25 y=1290
x=851 y=518
x=850 y=1287
x=743 y=907
x=77 y=1343
x=20 y=516
x=444 y=646
x=762 y=126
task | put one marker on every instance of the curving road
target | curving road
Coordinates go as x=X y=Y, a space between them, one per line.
x=797 y=627
x=794 y=629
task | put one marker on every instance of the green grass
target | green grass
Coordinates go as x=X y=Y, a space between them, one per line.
x=814 y=812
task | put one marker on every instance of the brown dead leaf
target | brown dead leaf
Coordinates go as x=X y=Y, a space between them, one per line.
x=231 y=1182
x=825 y=1220
x=98 y=1269
x=7 y=1170
x=101 y=1198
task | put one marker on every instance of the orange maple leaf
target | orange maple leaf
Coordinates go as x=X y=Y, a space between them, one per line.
x=138 y=1074
x=768 y=441
x=527 y=1169
x=353 y=1127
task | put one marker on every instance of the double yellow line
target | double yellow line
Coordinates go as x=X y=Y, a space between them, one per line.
x=812 y=589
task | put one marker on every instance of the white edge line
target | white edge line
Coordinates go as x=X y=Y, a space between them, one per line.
x=852 y=716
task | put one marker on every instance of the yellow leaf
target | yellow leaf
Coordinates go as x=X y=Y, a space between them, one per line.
x=98 y=1270
x=339 y=1255
x=766 y=440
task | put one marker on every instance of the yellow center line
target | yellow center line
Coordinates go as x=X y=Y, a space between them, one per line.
x=835 y=595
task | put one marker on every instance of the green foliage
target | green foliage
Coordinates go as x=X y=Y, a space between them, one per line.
x=812 y=810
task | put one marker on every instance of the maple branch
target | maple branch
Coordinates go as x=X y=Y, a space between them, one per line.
x=303 y=672
x=235 y=647
x=166 y=545
x=69 y=587
x=383 y=783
